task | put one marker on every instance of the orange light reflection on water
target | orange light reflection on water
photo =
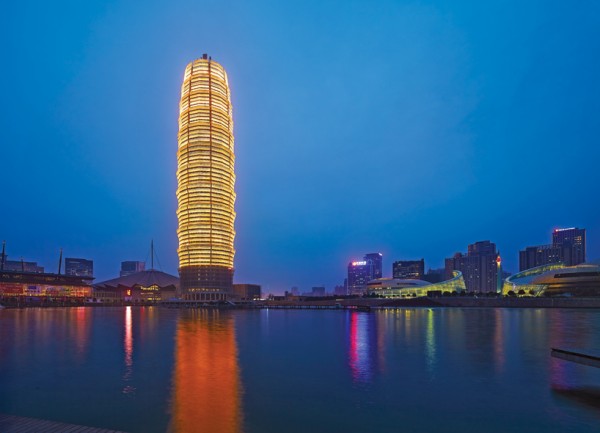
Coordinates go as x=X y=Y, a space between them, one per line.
x=81 y=331
x=206 y=392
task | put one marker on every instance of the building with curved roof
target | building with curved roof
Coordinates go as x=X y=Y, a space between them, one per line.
x=144 y=286
x=556 y=280
x=15 y=284
x=405 y=288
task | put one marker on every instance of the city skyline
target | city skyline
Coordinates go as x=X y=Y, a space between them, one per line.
x=458 y=151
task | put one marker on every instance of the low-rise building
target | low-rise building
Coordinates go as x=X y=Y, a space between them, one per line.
x=555 y=279
x=410 y=288
x=140 y=287
x=43 y=285
x=20 y=266
x=247 y=292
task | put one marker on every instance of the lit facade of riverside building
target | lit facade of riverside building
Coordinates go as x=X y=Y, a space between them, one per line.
x=205 y=183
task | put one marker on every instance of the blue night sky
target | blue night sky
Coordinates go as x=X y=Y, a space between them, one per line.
x=407 y=128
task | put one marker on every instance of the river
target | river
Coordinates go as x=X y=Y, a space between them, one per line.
x=152 y=369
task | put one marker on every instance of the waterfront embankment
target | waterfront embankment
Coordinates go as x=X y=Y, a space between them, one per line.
x=459 y=302
x=331 y=303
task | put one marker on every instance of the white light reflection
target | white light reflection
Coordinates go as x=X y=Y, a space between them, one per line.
x=430 y=342
x=128 y=345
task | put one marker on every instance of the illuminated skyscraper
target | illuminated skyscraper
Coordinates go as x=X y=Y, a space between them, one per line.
x=568 y=247
x=362 y=271
x=205 y=183
x=479 y=267
x=131 y=267
x=409 y=269
x=79 y=267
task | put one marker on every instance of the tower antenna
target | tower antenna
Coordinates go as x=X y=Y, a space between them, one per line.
x=60 y=262
x=3 y=255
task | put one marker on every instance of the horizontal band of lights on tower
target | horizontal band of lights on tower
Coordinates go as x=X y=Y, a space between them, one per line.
x=205 y=168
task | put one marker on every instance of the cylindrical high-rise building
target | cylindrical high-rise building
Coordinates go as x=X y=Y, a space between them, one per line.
x=205 y=183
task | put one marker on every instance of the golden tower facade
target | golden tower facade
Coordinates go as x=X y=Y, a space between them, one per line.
x=205 y=183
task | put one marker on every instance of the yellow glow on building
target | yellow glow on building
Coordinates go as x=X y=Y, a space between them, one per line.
x=206 y=179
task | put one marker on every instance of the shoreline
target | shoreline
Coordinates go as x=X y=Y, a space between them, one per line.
x=450 y=302
x=372 y=303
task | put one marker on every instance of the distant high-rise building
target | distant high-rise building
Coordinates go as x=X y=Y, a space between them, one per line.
x=131 y=267
x=360 y=272
x=79 y=267
x=21 y=266
x=340 y=290
x=17 y=265
x=539 y=255
x=435 y=275
x=318 y=291
x=479 y=267
x=572 y=241
x=205 y=183
x=375 y=261
x=568 y=247
x=409 y=269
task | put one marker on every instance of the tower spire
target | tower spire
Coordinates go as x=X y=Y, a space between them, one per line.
x=60 y=262
x=3 y=255
x=498 y=273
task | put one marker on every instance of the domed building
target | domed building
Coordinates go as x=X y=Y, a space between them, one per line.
x=556 y=280
x=405 y=288
x=141 y=287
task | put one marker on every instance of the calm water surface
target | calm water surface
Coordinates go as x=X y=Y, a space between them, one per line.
x=417 y=370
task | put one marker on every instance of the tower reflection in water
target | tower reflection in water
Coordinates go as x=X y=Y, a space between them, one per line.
x=206 y=390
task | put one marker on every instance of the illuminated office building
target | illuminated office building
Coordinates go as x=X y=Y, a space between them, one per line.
x=375 y=262
x=360 y=272
x=20 y=266
x=568 y=247
x=205 y=183
x=411 y=269
x=358 y=276
x=479 y=267
x=79 y=267
x=572 y=240
x=130 y=267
